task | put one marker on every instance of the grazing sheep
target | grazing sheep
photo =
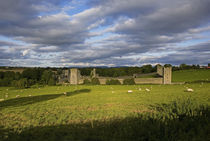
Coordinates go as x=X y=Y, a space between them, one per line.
x=130 y=91
x=190 y=90
x=147 y=90
x=17 y=95
x=29 y=95
x=112 y=91
x=65 y=93
x=6 y=96
x=1 y=99
x=139 y=89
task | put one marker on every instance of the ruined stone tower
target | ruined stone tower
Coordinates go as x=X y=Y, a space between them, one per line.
x=167 y=75
x=93 y=73
x=160 y=70
x=75 y=74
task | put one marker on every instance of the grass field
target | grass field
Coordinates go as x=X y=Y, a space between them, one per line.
x=105 y=113
x=191 y=75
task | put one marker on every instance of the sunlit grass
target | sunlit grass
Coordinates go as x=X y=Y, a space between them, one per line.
x=191 y=75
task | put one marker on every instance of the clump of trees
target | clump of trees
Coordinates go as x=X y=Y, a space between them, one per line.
x=185 y=67
x=29 y=77
x=93 y=81
x=129 y=82
x=113 y=82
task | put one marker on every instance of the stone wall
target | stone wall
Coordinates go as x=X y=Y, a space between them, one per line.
x=148 y=80
x=165 y=72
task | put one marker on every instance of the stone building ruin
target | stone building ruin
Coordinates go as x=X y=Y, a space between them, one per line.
x=74 y=78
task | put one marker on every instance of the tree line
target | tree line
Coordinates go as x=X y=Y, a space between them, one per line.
x=119 y=71
x=28 y=77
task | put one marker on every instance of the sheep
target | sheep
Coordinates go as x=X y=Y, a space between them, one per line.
x=130 y=91
x=113 y=92
x=29 y=95
x=65 y=93
x=147 y=90
x=17 y=95
x=139 y=89
x=1 y=99
x=189 y=90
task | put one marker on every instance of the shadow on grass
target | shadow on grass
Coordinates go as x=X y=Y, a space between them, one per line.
x=15 y=102
x=141 y=128
x=78 y=92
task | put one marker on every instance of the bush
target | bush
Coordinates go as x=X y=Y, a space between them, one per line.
x=52 y=82
x=129 y=82
x=87 y=82
x=22 y=83
x=95 y=81
x=37 y=85
x=113 y=82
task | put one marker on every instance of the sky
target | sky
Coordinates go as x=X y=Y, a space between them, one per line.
x=85 y=33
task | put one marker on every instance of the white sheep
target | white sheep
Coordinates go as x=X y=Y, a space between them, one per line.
x=130 y=91
x=190 y=90
x=1 y=99
x=65 y=93
x=139 y=89
x=17 y=95
x=147 y=90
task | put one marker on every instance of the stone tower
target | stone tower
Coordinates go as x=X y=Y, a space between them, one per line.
x=93 y=73
x=160 y=70
x=67 y=74
x=75 y=74
x=167 y=75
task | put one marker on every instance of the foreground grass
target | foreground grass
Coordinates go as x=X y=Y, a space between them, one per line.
x=191 y=75
x=105 y=113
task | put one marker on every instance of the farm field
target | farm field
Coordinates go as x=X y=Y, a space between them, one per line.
x=102 y=112
x=191 y=75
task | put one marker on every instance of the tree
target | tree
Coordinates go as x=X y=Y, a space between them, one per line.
x=167 y=65
x=46 y=76
x=95 y=81
x=129 y=82
x=52 y=82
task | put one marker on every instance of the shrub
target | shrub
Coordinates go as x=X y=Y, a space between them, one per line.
x=22 y=83
x=86 y=82
x=129 y=82
x=37 y=85
x=52 y=82
x=95 y=81
x=113 y=82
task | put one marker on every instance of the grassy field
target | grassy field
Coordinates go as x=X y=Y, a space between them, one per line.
x=191 y=75
x=166 y=112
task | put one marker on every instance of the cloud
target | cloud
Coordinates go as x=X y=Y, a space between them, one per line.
x=25 y=52
x=112 y=32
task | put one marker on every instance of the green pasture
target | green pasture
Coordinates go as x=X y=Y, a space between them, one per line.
x=102 y=112
x=191 y=75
